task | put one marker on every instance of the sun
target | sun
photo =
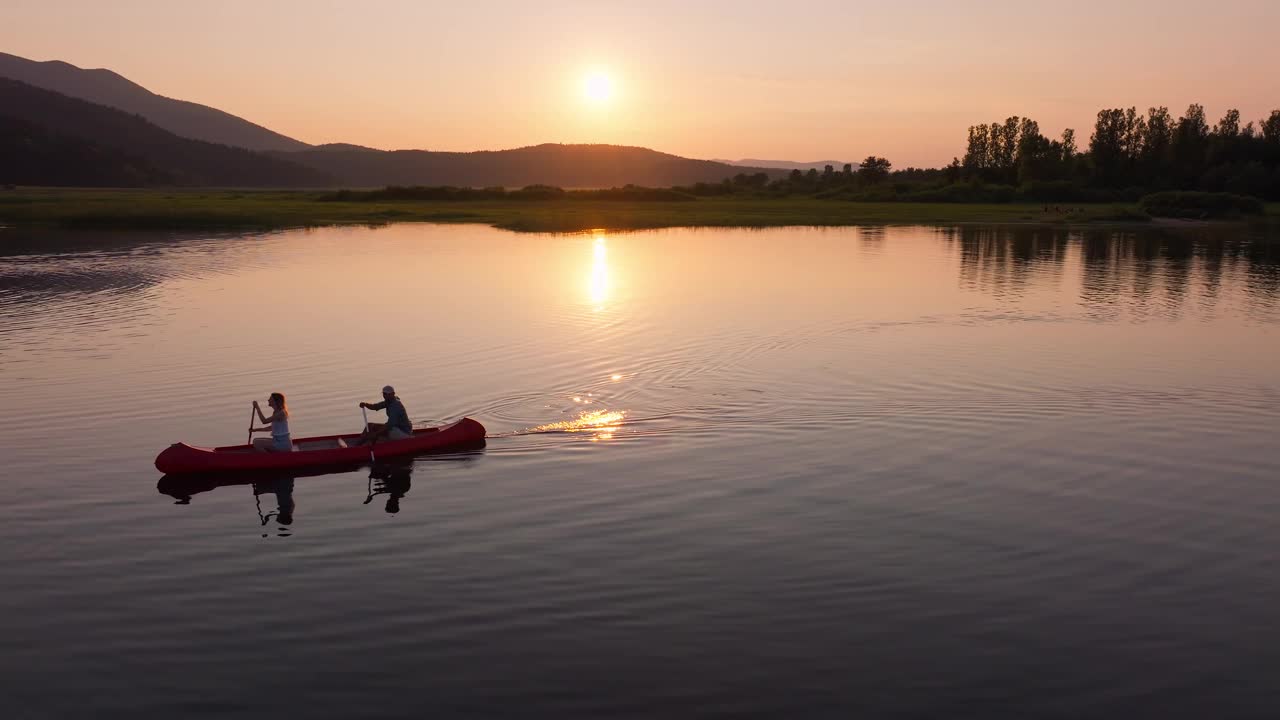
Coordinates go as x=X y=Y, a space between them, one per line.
x=598 y=87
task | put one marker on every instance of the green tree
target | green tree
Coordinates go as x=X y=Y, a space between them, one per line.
x=1157 y=140
x=1009 y=148
x=1190 y=146
x=1229 y=126
x=1135 y=129
x=953 y=172
x=1068 y=144
x=977 y=154
x=874 y=169
x=1271 y=127
x=1107 y=146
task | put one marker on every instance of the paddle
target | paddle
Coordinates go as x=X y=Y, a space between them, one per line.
x=251 y=411
x=365 y=413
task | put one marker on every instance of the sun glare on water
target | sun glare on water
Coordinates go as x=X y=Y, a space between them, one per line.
x=602 y=423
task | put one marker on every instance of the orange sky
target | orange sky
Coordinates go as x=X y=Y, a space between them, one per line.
x=798 y=81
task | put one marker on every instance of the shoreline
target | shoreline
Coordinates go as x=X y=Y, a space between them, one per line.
x=231 y=209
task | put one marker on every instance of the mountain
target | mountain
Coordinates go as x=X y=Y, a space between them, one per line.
x=185 y=119
x=343 y=147
x=61 y=119
x=47 y=138
x=34 y=155
x=568 y=166
x=787 y=164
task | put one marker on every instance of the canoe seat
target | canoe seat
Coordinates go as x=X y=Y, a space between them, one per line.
x=320 y=445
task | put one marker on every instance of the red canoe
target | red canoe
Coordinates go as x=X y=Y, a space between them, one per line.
x=313 y=451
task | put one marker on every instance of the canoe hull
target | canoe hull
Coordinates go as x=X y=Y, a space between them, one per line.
x=182 y=458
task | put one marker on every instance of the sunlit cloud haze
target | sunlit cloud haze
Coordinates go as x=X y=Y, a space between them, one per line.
x=817 y=80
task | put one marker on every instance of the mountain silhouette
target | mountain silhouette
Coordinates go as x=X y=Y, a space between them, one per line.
x=568 y=166
x=66 y=125
x=47 y=138
x=182 y=118
x=786 y=164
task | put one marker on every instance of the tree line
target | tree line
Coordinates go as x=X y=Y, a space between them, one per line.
x=1175 y=166
x=1153 y=152
x=1128 y=155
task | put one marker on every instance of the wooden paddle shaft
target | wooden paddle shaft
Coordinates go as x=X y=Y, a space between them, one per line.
x=365 y=413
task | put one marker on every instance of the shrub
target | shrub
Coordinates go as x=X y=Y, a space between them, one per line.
x=966 y=193
x=537 y=192
x=634 y=192
x=1200 y=205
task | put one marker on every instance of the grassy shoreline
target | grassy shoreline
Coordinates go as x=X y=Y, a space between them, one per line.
x=255 y=209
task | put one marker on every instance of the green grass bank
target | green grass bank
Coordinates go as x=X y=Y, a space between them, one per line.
x=249 y=209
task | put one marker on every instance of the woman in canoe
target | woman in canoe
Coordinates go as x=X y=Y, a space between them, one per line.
x=280 y=440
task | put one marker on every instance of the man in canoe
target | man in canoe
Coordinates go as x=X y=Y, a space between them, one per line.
x=397 y=427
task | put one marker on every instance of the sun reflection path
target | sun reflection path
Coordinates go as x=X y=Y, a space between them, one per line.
x=601 y=422
x=598 y=283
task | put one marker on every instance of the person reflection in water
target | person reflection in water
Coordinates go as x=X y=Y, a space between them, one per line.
x=283 y=490
x=392 y=482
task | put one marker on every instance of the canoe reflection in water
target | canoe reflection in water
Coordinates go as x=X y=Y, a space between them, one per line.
x=392 y=478
x=183 y=487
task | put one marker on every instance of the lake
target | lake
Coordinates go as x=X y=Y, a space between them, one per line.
x=845 y=472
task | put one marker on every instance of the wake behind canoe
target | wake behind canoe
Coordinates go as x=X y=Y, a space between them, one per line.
x=316 y=451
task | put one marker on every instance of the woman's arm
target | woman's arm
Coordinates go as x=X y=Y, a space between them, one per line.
x=257 y=409
x=277 y=415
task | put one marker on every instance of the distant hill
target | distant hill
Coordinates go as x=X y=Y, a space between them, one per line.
x=568 y=166
x=182 y=118
x=34 y=155
x=68 y=117
x=787 y=164
x=343 y=147
x=47 y=138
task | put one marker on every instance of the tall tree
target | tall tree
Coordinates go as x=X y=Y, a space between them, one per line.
x=1009 y=148
x=1153 y=163
x=1229 y=126
x=1068 y=144
x=1107 y=146
x=1271 y=127
x=874 y=169
x=1190 y=146
x=978 y=152
x=1135 y=128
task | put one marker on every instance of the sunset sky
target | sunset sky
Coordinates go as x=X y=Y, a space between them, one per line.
x=798 y=81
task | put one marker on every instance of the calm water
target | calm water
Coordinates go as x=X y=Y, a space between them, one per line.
x=908 y=472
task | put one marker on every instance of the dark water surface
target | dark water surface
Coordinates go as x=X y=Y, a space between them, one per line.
x=903 y=472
